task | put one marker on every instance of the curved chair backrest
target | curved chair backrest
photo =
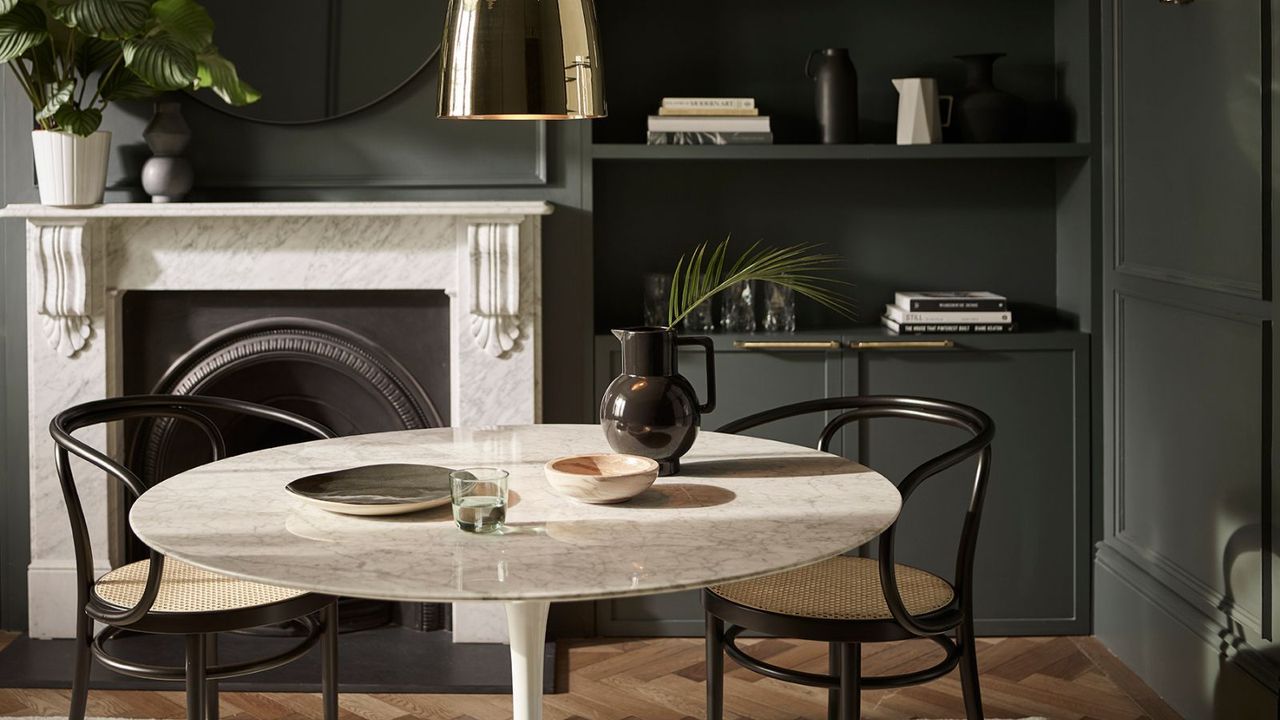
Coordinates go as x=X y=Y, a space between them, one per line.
x=865 y=407
x=187 y=408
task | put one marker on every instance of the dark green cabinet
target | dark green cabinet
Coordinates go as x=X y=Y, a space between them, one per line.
x=1031 y=569
x=1032 y=564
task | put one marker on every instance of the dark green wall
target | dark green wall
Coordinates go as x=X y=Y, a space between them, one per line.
x=1185 y=575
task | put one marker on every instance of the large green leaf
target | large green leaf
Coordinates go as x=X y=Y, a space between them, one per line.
x=185 y=21
x=21 y=29
x=58 y=95
x=162 y=62
x=93 y=54
x=107 y=19
x=77 y=120
x=7 y=5
x=123 y=84
x=219 y=75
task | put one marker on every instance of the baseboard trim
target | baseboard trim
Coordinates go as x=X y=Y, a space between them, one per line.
x=52 y=589
x=1185 y=656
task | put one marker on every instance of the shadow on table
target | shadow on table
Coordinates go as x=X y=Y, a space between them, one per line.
x=779 y=467
x=680 y=496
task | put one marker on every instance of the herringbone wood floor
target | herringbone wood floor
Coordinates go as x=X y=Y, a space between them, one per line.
x=663 y=680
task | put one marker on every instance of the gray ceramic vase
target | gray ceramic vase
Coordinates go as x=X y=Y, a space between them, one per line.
x=167 y=175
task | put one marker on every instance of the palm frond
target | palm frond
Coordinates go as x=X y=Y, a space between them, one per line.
x=700 y=276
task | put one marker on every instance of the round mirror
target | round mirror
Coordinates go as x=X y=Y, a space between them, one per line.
x=317 y=60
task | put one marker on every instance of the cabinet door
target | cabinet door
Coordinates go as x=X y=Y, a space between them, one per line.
x=1031 y=567
x=748 y=381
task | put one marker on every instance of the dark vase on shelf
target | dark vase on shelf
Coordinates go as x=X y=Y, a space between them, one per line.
x=650 y=409
x=985 y=113
x=835 y=94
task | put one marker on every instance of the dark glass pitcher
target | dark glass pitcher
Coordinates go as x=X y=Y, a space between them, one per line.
x=650 y=409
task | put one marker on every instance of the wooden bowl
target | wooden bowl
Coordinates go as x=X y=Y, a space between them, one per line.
x=601 y=479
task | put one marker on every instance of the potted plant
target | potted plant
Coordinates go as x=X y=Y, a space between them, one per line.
x=72 y=58
x=650 y=409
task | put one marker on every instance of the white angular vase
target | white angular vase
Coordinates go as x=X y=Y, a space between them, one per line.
x=70 y=169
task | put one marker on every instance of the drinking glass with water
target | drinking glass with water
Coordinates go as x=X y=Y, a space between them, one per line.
x=479 y=498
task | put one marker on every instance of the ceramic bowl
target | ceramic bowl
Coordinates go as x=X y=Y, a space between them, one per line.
x=601 y=479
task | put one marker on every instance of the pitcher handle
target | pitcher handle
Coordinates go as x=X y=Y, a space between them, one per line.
x=705 y=342
x=808 y=63
x=951 y=103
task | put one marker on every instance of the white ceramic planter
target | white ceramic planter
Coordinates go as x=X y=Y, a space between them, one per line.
x=71 y=170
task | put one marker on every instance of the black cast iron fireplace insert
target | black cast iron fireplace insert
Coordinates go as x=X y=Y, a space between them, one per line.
x=357 y=361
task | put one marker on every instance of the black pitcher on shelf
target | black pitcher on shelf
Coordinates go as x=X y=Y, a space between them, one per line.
x=650 y=409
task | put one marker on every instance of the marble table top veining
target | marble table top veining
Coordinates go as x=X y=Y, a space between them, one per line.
x=741 y=507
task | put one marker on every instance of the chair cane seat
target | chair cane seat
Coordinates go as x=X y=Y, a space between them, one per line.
x=840 y=588
x=186 y=589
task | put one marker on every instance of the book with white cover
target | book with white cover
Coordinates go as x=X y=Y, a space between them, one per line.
x=709 y=138
x=950 y=300
x=667 y=123
x=903 y=315
x=708 y=102
x=923 y=328
x=707 y=112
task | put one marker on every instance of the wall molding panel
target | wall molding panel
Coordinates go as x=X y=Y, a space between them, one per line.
x=1247 y=141
x=1185 y=569
x=1251 y=536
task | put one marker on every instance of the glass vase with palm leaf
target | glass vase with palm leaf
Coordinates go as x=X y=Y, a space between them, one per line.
x=650 y=409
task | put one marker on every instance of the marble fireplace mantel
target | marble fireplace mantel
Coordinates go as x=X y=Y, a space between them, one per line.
x=484 y=255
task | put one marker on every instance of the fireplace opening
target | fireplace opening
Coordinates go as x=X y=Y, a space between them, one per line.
x=355 y=361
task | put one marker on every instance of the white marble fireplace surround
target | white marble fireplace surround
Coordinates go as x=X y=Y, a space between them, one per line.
x=485 y=255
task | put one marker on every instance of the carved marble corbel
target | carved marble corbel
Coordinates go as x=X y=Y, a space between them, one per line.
x=493 y=253
x=60 y=259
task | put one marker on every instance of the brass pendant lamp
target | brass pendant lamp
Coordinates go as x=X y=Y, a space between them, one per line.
x=521 y=60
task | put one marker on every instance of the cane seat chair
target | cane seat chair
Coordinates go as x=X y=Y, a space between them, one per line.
x=846 y=601
x=166 y=596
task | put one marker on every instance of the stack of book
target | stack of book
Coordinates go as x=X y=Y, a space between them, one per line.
x=964 y=311
x=709 y=121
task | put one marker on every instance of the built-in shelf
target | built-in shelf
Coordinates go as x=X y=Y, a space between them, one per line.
x=878 y=338
x=973 y=151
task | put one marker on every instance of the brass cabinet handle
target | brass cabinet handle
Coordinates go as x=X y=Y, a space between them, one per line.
x=1175 y=2
x=786 y=344
x=902 y=344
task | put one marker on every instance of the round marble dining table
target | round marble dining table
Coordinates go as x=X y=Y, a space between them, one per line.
x=741 y=507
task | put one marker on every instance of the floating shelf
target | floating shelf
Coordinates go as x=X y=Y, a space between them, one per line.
x=972 y=151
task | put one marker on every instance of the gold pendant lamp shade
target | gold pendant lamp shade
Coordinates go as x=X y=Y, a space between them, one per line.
x=521 y=60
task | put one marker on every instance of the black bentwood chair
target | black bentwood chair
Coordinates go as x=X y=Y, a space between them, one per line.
x=846 y=601
x=170 y=597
